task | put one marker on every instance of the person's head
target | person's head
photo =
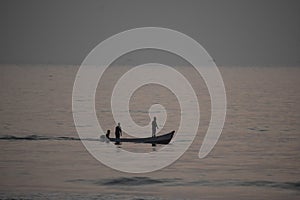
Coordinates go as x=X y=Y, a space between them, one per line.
x=119 y=124
x=154 y=118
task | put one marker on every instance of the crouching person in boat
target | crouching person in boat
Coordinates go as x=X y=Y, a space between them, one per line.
x=118 y=133
x=105 y=138
x=107 y=134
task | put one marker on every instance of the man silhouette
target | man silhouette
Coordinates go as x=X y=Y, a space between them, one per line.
x=118 y=133
x=154 y=127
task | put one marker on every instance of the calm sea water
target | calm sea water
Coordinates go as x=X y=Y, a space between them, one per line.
x=257 y=156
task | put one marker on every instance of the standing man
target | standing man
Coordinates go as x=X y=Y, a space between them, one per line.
x=154 y=127
x=118 y=133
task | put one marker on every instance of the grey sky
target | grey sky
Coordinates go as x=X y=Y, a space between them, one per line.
x=253 y=32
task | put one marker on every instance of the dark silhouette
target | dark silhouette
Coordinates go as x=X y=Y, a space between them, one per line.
x=118 y=133
x=107 y=133
x=161 y=139
x=154 y=127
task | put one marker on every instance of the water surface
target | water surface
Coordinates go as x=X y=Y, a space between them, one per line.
x=257 y=156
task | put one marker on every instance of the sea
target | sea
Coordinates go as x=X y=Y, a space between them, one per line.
x=256 y=156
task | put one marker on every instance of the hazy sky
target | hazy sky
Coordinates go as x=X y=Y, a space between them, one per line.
x=253 y=32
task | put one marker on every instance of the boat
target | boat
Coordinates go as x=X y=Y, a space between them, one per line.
x=161 y=139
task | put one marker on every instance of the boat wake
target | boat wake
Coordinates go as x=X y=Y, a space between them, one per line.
x=39 y=137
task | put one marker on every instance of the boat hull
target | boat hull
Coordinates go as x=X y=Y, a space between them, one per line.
x=162 y=139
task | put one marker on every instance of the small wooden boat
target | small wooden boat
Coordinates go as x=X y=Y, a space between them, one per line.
x=161 y=139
